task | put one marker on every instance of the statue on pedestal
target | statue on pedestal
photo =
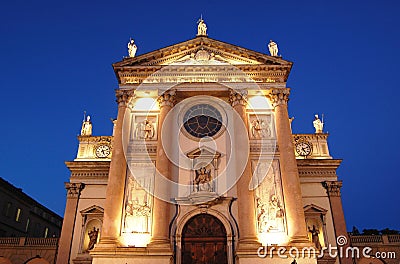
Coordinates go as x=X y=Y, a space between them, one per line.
x=201 y=27
x=132 y=48
x=318 y=124
x=86 y=127
x=273 y=48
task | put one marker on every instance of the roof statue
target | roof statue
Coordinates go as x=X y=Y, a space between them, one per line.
x=273 y=48
x=201 y=27
x=86 y=126
x=318 y=124
x=132 y=48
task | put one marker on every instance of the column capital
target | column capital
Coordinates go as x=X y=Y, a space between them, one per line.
x=332 y=187
x=167 y=99
x=74 y=189
x=123 y=96
x=237 y=97
x=278 y=96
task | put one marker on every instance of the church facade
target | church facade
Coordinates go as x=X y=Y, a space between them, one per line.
x=202 y=166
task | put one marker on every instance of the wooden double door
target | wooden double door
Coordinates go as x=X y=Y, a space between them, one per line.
x=204 y=241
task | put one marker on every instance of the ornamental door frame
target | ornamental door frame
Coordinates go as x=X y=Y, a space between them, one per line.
x=184 y=220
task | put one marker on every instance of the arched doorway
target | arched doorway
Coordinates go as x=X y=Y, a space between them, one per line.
x=204 y=241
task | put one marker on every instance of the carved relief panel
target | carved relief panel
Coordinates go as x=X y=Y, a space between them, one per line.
x=260 y=126
x=270 y=210
x=144 y=127
x=138 y=201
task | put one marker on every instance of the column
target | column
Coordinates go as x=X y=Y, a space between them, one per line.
x=67 y=231
x=162 y=209
x=333 y=191
x=290 y=176
x=110 y=231
x=247 y=221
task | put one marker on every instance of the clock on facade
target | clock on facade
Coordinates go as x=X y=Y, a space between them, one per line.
x=202 y=120
x=303 y=148
x=102 y=151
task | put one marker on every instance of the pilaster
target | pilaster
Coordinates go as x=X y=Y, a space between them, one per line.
x=339 y=223
x=67 y=231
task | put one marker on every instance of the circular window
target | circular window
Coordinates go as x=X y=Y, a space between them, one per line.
x=202 y=120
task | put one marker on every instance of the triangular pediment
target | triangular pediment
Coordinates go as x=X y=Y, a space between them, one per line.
x=203 y=151
x=92 y=210
x=202 y=51
x=312 y=209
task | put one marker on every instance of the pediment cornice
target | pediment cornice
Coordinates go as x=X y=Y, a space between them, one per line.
x=181 y=62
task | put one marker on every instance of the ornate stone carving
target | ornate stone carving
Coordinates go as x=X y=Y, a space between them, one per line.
x=237 y=97
x=74 y=189
x=86 y=127
x=167 y=98
x=278 y=96
x=269 y=215
x=333 y=187
x=203 y=180
x=138 y=203
x=145 y=130
x=123 y=96
x=260 y=129
x=268 y=196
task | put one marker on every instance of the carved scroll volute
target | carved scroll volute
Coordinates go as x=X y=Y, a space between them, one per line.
x=237 y=97
x=74 y=189
x=124 y=96
x=333 y=187
x=278 y=96
x=167 y=99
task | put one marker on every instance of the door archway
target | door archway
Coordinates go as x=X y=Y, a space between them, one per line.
x=204 y=241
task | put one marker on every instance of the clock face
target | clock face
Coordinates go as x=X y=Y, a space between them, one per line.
x=102 y=151
x=303 y=148
x=202 y=120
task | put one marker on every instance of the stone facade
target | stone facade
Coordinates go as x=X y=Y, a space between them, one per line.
x=202 y=166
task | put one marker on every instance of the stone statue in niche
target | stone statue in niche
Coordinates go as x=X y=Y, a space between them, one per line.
x=315 y=237
x=318 y=124
x=203 y=180
x=145 y=130
x=93 y=234
x=259 y=129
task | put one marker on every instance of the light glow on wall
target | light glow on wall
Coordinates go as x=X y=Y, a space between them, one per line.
x=146 y=103
x=272 y=238
x=135 y=239
x=259 y=102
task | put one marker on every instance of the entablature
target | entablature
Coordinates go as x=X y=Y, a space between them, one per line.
x=94 y=148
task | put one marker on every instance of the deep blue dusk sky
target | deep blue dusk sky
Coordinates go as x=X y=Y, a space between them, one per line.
x=56 y=62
